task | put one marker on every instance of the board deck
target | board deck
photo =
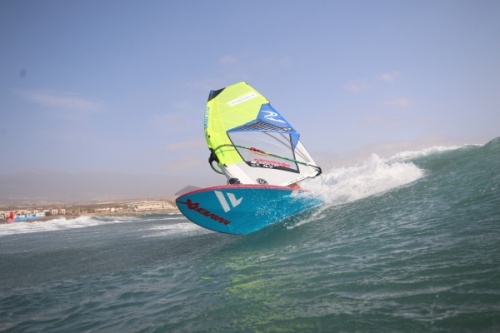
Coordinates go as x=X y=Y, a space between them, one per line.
x=243 y=209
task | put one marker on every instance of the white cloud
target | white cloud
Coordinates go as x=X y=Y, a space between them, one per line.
x=399 y=102
x=180 y=114
x=228 y=60
x=186 y=145
x=359 y=85
x=367 y=84
x=184 y=163
x=61 y=100
x=390 y=76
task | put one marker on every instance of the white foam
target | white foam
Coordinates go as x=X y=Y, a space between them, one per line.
x=51 y=225
x=409 y=155
x=61 y=224
x=375 y=176
x=178 y=228
x=157 y=218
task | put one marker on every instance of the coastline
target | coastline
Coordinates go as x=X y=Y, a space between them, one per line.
x=72 y=216
x=136 y=207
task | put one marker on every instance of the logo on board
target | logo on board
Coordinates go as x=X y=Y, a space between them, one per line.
x=233 y=201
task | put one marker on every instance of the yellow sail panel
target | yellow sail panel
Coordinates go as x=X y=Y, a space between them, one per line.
x=229 y=108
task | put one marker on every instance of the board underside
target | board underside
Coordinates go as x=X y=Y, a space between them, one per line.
x=243 y=209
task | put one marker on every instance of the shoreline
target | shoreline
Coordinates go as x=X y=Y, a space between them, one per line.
x=132 y=207
x=74 y=216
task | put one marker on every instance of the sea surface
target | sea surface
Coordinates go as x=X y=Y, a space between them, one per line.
x=409 y=243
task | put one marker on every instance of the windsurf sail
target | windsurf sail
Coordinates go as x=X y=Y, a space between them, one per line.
x=251 y=141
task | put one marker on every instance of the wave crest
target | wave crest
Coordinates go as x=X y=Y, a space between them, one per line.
x=375 y=176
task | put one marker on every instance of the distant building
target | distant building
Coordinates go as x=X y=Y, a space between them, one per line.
x=150 y=206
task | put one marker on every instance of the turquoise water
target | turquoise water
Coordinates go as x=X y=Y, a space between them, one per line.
x=405 y=244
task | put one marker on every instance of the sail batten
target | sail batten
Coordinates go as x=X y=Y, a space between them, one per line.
x=252 y=141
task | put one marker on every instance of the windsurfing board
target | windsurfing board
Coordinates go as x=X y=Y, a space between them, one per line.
x=244 y=208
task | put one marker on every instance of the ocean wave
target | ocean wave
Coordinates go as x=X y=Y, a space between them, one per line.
x=182 y=228
x=410 y=154
x=63 y=223
x=58 y=224
x=374 y=176
x=161 y=218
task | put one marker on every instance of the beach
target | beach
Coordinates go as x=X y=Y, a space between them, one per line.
x=119 y=207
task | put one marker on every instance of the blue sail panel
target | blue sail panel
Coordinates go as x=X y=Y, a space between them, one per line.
x=269 y=120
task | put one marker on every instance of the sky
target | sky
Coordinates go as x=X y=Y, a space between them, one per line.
x=119 y=88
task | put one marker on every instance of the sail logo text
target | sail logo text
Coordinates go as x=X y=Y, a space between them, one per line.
x=269 y=164
x=205 y=118
x=232 y=199
x=241 y=99
x=274 y=116
x=196 y=207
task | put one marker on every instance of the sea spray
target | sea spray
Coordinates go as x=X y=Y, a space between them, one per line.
x=413 y=154
x=375 y=176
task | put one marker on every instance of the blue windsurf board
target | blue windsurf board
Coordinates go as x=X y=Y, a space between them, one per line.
x=242 y=209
